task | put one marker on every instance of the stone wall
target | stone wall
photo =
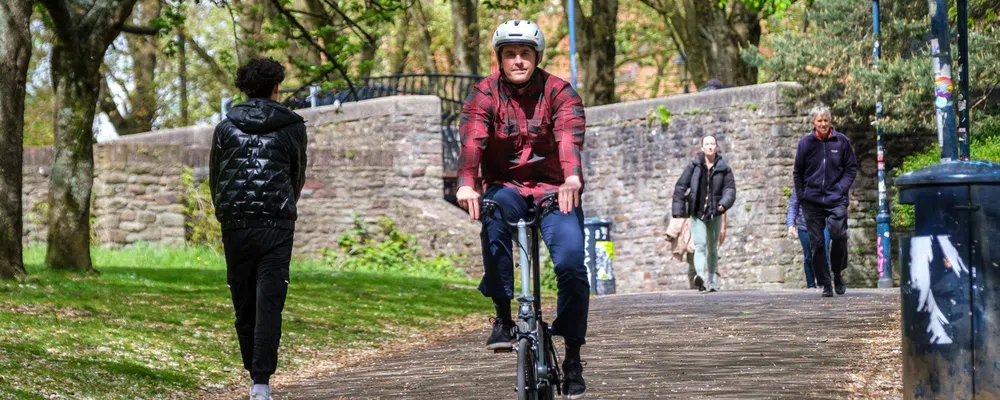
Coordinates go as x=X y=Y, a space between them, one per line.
x=383 y=157
x=632 y=162
x=369 y=159
x=137 y=194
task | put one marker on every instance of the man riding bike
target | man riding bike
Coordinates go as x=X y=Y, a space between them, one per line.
x=524 y=128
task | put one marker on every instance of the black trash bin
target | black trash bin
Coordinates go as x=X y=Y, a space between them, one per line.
x=950 y=282
x=599 y=255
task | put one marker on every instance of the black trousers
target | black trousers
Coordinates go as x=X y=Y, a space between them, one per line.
x=257 y=273
x=835 y=218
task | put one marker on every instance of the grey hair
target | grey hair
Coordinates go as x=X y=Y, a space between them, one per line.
x=820 y=110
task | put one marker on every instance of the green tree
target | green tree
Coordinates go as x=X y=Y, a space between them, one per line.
x=832 y=59
x=138 y=108
x=596 y=29
x=84 y=30
x=713 y=33
x=15 y=51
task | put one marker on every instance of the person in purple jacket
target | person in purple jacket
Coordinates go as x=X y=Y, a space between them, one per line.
x=795 y=220
x=824 y=171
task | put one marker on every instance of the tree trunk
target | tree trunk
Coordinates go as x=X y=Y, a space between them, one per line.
x=465 y=33
x=712 y=38
x=143 y=49
x=397 y=61
x=182 y=75
x=15 y=52
x=83 y=36
x=320 y=18
x=422 y=23
x=76 y=87
x=661 y=66
x=597 y=51
x=367 y=61
x=726 y=36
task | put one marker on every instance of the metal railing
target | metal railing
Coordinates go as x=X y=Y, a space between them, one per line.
x=452 y=89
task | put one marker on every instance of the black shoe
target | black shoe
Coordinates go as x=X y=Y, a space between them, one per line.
x=699 y=283
x=838 y=283
x=502 y=336
x=827 y=291
x=573 y=386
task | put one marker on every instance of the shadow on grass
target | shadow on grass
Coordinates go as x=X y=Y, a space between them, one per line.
x=86 y=375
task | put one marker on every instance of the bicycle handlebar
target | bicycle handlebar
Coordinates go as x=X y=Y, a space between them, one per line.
x=547 y=204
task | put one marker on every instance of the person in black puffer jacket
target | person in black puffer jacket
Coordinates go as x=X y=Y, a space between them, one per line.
x=704 y=192
x=257 y=171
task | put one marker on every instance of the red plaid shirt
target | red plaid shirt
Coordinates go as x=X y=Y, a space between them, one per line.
x=529 y=142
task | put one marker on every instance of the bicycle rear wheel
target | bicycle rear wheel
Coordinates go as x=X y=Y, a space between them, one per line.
x=549 y=391
x=526 y=382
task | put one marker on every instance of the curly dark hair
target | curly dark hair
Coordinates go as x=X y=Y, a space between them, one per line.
x=258 y=77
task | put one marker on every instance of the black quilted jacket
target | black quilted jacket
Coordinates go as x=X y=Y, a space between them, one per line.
x=257 y=166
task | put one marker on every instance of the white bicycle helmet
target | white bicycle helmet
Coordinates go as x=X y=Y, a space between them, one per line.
x=519 y=31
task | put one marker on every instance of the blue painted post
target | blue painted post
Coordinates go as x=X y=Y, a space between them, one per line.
x=882 y=219
x=572 y=41
x=944 y=102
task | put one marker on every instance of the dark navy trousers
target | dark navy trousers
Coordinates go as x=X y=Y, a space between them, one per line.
x=563 y=235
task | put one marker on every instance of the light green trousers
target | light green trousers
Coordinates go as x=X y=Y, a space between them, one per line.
x=706 y=248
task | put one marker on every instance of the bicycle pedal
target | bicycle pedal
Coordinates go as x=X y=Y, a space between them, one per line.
x=503 y=350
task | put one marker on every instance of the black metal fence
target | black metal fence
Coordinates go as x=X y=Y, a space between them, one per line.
x=452 y=89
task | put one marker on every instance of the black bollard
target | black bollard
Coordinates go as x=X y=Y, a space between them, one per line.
x=950 y=282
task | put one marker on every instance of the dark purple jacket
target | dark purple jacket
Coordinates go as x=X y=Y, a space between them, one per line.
x=824 y=170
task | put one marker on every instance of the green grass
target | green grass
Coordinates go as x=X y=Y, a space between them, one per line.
x=160 y=321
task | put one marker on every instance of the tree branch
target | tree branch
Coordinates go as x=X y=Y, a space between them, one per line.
x=309 y=14
x=635 y=58
x=108 y=105
x=122 y=84
x=140 y=30
x=236 y=37
x=351 y=22
x=312 y=42
x=220 y=73
x=62 y=20
x=124 y=10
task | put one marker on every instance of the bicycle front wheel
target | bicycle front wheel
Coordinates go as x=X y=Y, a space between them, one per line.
x=526 y=382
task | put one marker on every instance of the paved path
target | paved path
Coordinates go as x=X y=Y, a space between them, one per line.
x=681 y=345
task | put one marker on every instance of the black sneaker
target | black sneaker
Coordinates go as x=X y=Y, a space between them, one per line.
x=838 y=283
x=573 y=386
x=827 y=291
x=699 y=283
x=502 y=336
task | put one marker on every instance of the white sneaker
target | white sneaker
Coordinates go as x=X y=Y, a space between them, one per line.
x=261 y=393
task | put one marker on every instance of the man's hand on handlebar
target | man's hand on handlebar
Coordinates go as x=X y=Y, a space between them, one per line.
x=468 y=199
x=569 y=194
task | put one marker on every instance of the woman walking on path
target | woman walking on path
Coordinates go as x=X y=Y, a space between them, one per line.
x=704 y=192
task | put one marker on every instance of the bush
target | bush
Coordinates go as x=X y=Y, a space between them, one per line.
x=386 y=250
x=985 y=146
x=202 y=228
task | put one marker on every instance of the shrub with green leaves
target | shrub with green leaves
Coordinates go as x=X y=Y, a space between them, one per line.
x=985 y=146
x=202 y=228
x=387 y=249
